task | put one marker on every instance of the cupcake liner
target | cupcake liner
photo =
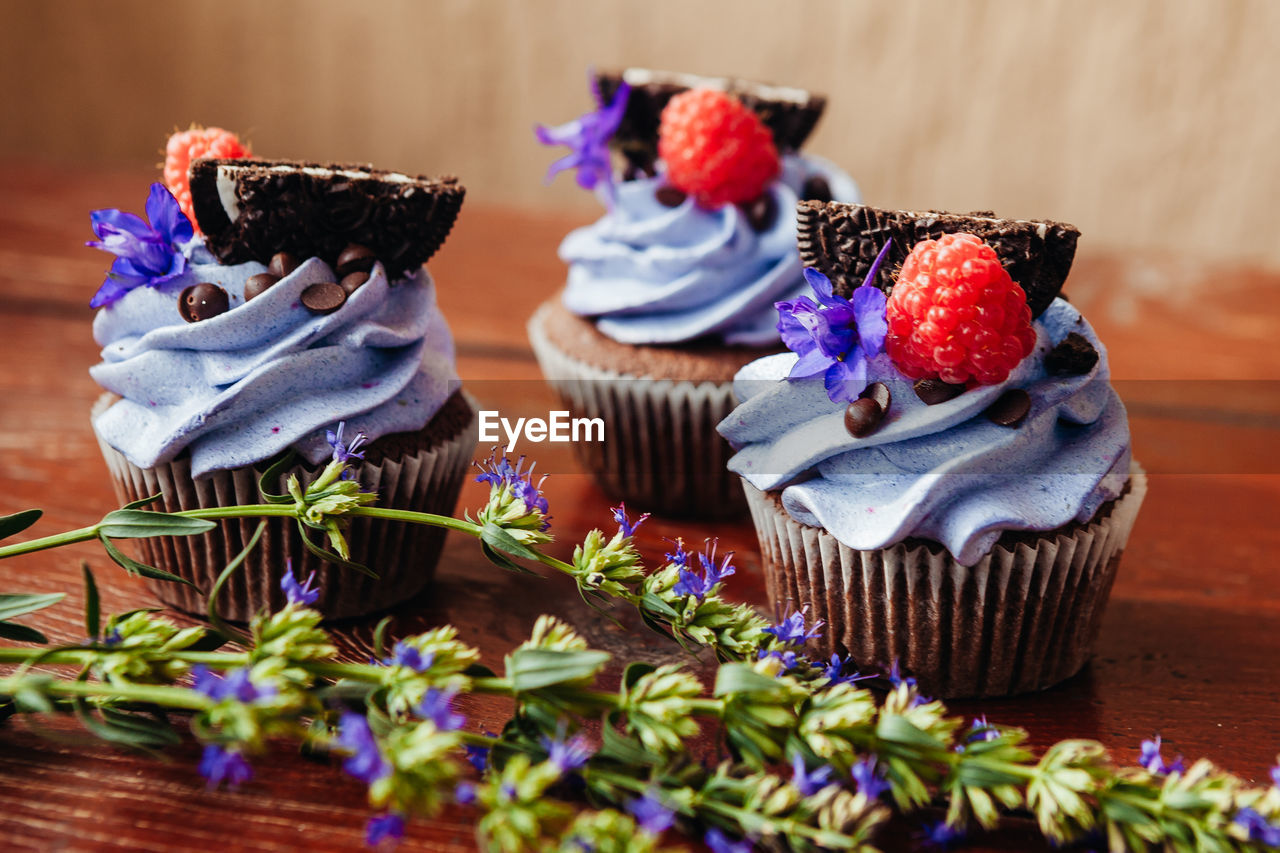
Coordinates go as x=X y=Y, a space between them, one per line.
x=661 y=451
x=1023 y=618
x=403 y=555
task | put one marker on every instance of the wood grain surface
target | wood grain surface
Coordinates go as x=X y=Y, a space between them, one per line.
x=1188 y=645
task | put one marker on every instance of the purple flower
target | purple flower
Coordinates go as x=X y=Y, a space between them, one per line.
x=834 y=671
x=1151 y=760
x=145 y=254
x=464 y=794
x=219 y=765
x=792 y=631
x=304 y=594
x=942 y=835
x=721 y=843
x=437 y=706
x=567 y=755
x=788 y=658
x=679 y=557
x=869 y=779
x=365 y=761
x=112 y=638
x=407 y=655
x=588 y=140
x=625 y=526
x=478 y=756
x=980 y=730
x=1259 y=828
x=344 y=453
x=712 y=574
x=834 y=336
x=498 y=471
x=651 y=815
x=808 y=783
x=1275 y=776
x=236 y=684
x=384 y=827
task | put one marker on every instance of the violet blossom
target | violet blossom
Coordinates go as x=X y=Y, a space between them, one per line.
x=588 y=140
x=146 y=254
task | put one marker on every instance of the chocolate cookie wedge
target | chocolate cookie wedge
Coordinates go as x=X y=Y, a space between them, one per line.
x=790 y=114
x=842 y=240
x=252 y=209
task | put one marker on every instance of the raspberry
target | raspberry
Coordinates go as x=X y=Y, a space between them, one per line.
x=188 y=145
x=956 y=315
x=716 y=149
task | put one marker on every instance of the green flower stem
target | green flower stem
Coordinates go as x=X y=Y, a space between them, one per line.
x=243 y=511
x=84 y=534
x=84 y=657
x=154 y=694
x=417 y=518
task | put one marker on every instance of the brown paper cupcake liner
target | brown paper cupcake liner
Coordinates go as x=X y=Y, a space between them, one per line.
x=1023 y=618
x=403 y=555
x=661 y=451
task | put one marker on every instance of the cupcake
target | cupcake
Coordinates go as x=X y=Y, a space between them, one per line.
x=672 y=290
x=297 y=319
x=940 y=469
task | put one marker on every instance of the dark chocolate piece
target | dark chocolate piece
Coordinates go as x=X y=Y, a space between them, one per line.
x=863 y=417
x=790 y=114
x=1010 y=409
x=323 y=297
x=935 y=391
x=879 y=392
x=354 y=258
x=762 y=212
x=669 y=196
x=842 y=241
x=1074 y=356
x=202 y=301
x=259 y=284
x=815 y=188
x=282 y=263
x=353 y=282
x=317 y=210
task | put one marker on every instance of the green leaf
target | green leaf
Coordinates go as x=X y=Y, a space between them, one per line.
x=479 y=670
x=21 y=633
x=141 y=502
x=898 y=729
x=30 y=701
x=653 y=603
x=380 y=638
x=502 y=561
x=533 y=669
x=209 y=642
x=142 y=523
x=20 y=604
x=331 y=557
x=133 y=567
x=624 y=749
x=500 y=540
x=92 y=609
x=126 y=729
x=635 y=671
x=741 y=678
x=272 y=474
x=18 y=522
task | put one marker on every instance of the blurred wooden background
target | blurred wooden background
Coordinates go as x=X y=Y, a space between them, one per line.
x=1150 y=124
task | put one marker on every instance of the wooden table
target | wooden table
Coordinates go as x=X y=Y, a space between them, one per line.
x=1189 y=644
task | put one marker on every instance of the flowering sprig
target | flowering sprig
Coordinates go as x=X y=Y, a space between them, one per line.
x=835 y=337
x=588 y=138
x=146 y=254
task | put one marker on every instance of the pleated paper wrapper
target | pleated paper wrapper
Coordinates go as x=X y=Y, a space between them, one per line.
x=1023 y=618
x=404 y=555
x=661 y=451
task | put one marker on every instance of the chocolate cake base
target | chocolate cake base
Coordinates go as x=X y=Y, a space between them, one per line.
x=660 y=406
x=1023 y=618
x=421 y=471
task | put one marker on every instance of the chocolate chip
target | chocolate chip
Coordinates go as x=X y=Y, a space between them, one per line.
x=258 y=284
x=1010 y=409
x=282 y=263
x=351 y=283
x=354 y=258
x=1074 y=356
x=202 y=301
x=879 y=392
x=669 y=196
x=762 y=212
x=863 y=417
x=323 y=297
x=935 y=391
x=815 y=188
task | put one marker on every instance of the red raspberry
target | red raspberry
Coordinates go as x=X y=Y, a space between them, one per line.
x=716 y=149
x=188 y=145
x=956 y=315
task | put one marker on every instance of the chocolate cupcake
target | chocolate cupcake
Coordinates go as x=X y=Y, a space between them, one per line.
x=673 y=289
x=943 y=478
x=302 y=307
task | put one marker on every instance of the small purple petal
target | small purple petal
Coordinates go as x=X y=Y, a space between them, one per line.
x=387 y=827
x=651 y=815
x=166 y=215
x=219 y=765
x=869 y=308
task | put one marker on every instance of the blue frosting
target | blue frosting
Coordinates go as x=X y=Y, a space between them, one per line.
x=651 y=274
x=267 y=374
x=942 y=472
